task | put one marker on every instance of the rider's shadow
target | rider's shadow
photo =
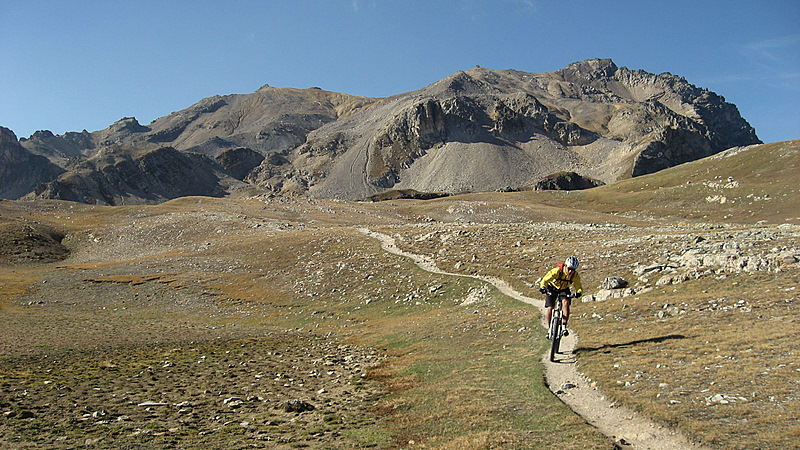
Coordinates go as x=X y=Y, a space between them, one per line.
x=608 y=347
x=565 y=358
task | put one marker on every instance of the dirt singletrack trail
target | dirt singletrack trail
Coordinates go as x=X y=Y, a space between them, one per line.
x=625 y=426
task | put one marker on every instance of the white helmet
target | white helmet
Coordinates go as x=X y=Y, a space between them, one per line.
x=571 y=262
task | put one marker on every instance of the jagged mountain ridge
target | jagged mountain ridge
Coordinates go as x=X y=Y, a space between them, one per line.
x=270 y=119
x=485 y=130
x=475 y=130
x=20 y=170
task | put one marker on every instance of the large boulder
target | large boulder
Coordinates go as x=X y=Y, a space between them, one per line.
x=614 y=283
x=566 y=181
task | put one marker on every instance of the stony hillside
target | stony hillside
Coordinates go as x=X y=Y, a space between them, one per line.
x=483 y=130
x=279 y=322
x=20 y=170
x=476 y=130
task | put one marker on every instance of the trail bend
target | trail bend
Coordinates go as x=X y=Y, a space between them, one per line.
x=625 y=426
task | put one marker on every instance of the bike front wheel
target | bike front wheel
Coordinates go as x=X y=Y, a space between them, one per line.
x=555 y=336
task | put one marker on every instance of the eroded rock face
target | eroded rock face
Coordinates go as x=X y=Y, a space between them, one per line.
x=566 y=181
x=239 y=161
x=464 y=119
x=153 y=177
x=476 y=130
x=489 y=130
x=20 y=170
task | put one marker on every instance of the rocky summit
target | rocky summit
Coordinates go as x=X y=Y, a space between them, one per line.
x=476 y=130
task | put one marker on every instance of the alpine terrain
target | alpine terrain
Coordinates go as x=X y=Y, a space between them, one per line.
x=476 y=130
x=296 y=268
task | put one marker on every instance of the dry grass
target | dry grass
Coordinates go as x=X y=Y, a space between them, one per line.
x=414 y=318
x=762 y=188
x=210 y=272
x=668 y=352
x=671 y=367
x=98 y=398
x=14 y=284
x=453 y=373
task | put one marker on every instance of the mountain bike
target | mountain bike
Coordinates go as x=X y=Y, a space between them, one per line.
x=556 y=329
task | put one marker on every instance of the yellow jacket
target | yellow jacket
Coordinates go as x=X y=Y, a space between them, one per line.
x=558 y=279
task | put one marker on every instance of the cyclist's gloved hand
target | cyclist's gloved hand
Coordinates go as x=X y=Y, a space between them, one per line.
x=578 y=294
x=543 y=290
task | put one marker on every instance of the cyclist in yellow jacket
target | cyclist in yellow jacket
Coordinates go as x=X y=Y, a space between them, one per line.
x=557 y=282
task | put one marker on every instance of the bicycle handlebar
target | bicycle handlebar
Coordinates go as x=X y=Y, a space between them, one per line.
x=570 y=295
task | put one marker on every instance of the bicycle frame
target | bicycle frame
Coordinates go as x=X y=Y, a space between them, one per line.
x=555 y=329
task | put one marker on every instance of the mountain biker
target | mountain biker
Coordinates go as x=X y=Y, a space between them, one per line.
x=556 y=282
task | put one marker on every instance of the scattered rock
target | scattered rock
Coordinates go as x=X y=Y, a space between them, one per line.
x=644 y=270
x=614 y=283
x=149 y=403
x=233 y=402
x=607 y=294
x=296 y=406
x=723 y=399
x=787 y=258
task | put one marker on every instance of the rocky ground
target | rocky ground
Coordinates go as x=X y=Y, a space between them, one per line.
x=157 y=330
x=624 y=425
x=121 y=346
x=269 y=390
x=677 y=322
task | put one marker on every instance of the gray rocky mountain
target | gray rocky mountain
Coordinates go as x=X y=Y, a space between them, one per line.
x=475 y=130
x=486 y=130
x=152 y=177
x=20 y=170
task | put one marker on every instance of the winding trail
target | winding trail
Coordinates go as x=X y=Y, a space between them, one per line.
x=626 y=427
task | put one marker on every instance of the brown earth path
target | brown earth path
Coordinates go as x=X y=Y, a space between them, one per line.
x=626 y=427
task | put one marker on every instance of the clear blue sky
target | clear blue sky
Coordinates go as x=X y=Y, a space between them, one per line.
x=74 y=65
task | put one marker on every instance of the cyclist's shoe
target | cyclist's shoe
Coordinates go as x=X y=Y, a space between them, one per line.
x=547 y=335
x=565 y=332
